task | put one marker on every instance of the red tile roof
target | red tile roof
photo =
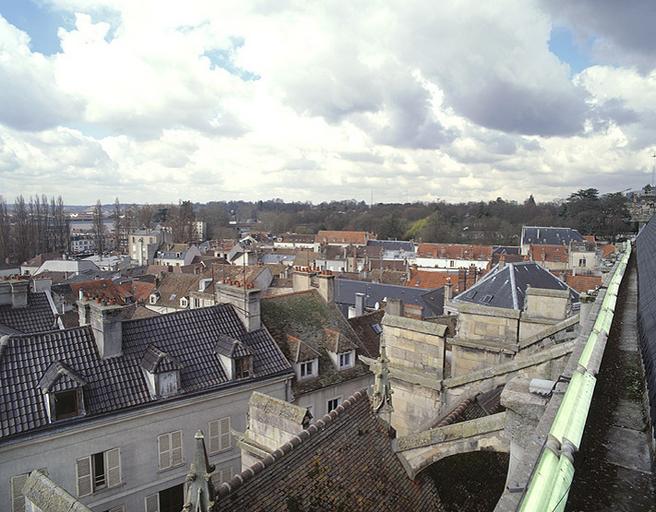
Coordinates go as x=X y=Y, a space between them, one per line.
x=607 y=250
x=105 y=289
x=553 y=253
x=455 y=251
x=344 y=237
x=583 y=283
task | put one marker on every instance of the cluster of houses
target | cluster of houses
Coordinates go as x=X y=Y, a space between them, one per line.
x=172 y=382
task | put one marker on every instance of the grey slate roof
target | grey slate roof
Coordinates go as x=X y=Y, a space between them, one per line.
x=432 y=301
x=231 y=347
x=117 y=383
x=155 y=360
x=60 y=377
x=506 y=287
x=36 y=317
x=538 y=235
x=392 y=245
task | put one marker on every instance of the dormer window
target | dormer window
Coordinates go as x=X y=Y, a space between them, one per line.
x=184 y=302
x=154 y=297
x=236 y=358
x=340 y=348
x=62 y=388
x=162 y=372
x=307 y=369
x=304 y=357
x=345 y=360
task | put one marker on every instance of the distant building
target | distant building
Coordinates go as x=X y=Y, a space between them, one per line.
x=295 y=241
x=551 y=257
x=540 y=235
x=143 y=244
x=175 y=255
x=431 y=255
x=344 y=238
x=24 y=311
x=199 y=231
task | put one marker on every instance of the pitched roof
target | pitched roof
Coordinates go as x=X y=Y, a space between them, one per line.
x=60 y=377
x=455 y=251
x=583 y=283
x=550 y=253
x=392 y=245
x=103 y=288
x=117 y=383
x=305 y=315
x=431 y=301
x=173 y=286
x=506 y=287
x=337 y=342
x=299 y=351
x=368 y=328
x=343 y=461
x=343 y=237
x=607 y=250
x=37 y=316
x=231 y=347
x=539 y=235
x=155 y=360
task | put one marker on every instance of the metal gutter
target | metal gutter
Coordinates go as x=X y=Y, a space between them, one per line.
x=549 y=485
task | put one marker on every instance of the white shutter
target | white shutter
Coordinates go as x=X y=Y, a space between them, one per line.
x=83 y=474
x=164 y=443
x=17 y=498
x=176 y=448
x=152 y=503
x=226 y=438
x=113 y=467
x=213 y=436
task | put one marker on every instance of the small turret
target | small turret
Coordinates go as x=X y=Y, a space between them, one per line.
x=200 y=490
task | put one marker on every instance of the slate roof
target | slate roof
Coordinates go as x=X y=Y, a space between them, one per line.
x=392 y=245
x=306 y=315
x=36 y=317
x=538 y=235
x=343 y=461
x=231 y=347
x=174 y=286
x=155 y=360
x=60 y=377
x=117 y=383
x=431 y=301
x=365 y=327
x=506 y=287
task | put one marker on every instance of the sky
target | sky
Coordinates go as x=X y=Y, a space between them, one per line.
x=304 y=100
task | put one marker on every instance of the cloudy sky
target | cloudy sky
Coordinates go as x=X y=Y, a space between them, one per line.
x=156 y=100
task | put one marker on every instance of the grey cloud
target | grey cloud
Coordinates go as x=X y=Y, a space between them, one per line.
x=361 y=156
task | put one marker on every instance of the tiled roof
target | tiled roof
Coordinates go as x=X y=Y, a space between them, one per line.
x=583 y=283
x=299 y=351
x=343 y=461
x=506 y=287
x=368 y=328
x=539 y=235
x=60 y=377
x=174 y=286
x=392 y=245
x=231 y=347
x=305 y=315
x=117 y=383
x=155 y=360
x=103 y=288
x=607 y=250
x=455 y=251
x=550 y=253
x=237 y=273
x=337 y=343
x=431 y=301
x=343 y=237
x=36 y=317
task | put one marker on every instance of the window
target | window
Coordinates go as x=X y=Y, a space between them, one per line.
x=345 y=360
x=170 y=449
x=225 y=474
x=333 y=403
x=98 y=471
x=66 y=405
x=167 y=500
x=452 y=263
x=219 y=435
x=488 y=298
x=243 y=367
x=582 y=262
x=307 y=369
x=376 y=328
x=184 y=302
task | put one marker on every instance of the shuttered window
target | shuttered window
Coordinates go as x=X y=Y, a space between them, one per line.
x=98 y=471
x=84 y=476
x=219 y=435
x=152 y=503
x=170 y=449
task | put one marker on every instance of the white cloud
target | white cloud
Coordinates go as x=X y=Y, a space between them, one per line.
x=158 y=100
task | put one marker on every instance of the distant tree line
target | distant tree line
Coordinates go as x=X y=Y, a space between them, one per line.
x=39 y=224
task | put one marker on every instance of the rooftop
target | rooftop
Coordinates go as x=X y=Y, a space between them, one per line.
x=37 y=316
x=539 y=235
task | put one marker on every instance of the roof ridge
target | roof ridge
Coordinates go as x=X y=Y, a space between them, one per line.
x=241 y=478
x=222 y=305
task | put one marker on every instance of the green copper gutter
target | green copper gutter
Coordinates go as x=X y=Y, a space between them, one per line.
x=550 y=482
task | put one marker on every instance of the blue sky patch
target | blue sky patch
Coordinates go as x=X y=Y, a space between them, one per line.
x=225 y=58
x=38 y=21
x=570 y=49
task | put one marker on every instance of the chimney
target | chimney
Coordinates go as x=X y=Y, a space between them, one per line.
x=502 y=261
x=14 y=292
x=246 y=302
x=359 y=304
x=327 y=286
x=105 y=320
x=302 y=279
x=448 y=290
x=394 y=307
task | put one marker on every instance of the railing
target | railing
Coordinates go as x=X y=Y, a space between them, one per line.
x=550 y=481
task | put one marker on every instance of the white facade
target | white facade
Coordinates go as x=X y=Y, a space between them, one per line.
x=317 y=401
x=425 y=262
x=177 y=259
x=142 y=246
x=138 y=435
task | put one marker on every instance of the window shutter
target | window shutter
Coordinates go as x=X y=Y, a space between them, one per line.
x=113 y=464
x=213 y=429
x=226 y=438
x=17 y=498
x=83 y=473
x=163 y=442
x=176 y=448
x=152 y=503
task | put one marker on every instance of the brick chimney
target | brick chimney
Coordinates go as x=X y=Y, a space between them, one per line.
x=246 y=302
